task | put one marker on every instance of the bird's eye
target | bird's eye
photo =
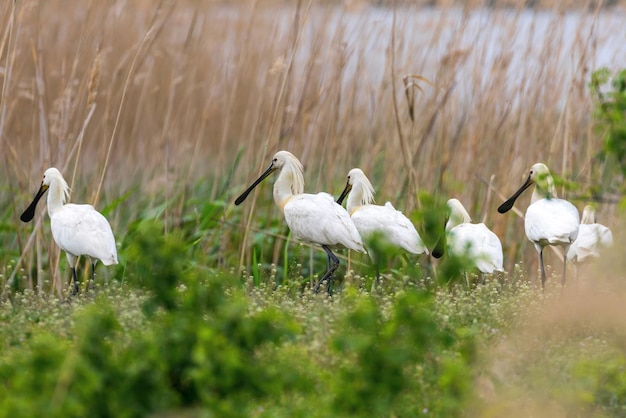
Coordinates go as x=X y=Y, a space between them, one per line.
x=275 y=160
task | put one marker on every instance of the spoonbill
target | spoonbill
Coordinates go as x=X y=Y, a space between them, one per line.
x=312 y=218
x=77 y=229
x=549 y=220
x=592 y=238
x=474 y=241
x=371 y=219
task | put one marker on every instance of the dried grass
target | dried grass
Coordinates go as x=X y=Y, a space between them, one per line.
x=165 y=95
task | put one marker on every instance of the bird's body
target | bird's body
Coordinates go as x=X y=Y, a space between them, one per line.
x=81 y=230
x=371 y=219
x=476 y=242
x=317 y=219
x=76 y=229
x=549 y=220
x=312 y=218
x=592 y=239
x=396 y=227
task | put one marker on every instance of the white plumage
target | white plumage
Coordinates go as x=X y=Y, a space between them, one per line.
x=549 y=220
x=312 y=218
x=317 y=219
x=473 y=241
x=370 y=219
x=396 y=227
x=77 y=229
x=592 y=238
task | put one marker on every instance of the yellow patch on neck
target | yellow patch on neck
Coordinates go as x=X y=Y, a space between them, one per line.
x=282 y=204
x=355 y=209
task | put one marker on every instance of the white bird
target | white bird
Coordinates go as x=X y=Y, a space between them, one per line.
x=312 y=218
x=592 y=238
x=371 y=219
x=549 y=220
x=476 y=242
x=77 y=229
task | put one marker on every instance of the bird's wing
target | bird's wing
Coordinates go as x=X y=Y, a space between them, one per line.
x=81 y=230
x=478 y=243
x=552 y=221
x=605 y=234
x=592 y=238
x=318 y=219
x=396 y=227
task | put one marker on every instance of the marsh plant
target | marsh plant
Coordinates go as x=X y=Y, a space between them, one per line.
x=160 y=113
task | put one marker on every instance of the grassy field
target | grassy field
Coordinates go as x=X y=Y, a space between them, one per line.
x=161 y=113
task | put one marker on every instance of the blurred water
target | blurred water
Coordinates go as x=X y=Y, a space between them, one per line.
x=573 y=43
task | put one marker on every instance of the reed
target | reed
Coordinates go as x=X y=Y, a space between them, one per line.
x=157 y=106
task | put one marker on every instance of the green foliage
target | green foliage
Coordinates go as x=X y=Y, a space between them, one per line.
x=454 y=267
x=177 y=337
x=395 y=358
x=603 y=385
x=51 y=376
x=155 y=260
x=198 y=349
x=609 y=93
x=384 y=255
x=433 y=217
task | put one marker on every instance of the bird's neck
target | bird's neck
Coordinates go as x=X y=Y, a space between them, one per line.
x=359 y=196
x=457 y=217
x=354 y=201
x=544 y=190
x=588 y=217
x=282 y=189
x=56 y=198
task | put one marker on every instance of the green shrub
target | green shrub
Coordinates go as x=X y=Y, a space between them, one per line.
x=603 y=384
x=609 y=94
x=409 y=355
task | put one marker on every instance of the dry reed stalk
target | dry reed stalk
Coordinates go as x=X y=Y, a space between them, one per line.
x=269 y=142
x=92 y=93
x=151 y=34
x=7 y=44
x=209 y=78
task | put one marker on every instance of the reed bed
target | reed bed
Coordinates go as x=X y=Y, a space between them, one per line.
x=155 y=106
x=161 y=112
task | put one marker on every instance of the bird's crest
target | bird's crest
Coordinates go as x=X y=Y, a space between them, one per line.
x=362 y=186
x=66 y=190
x=294 y=166
x=53 y=174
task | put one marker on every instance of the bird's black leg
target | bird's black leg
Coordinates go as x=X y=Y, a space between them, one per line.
x=331 y=269
x=75 y=290
x=543 y=272
x=93 y=273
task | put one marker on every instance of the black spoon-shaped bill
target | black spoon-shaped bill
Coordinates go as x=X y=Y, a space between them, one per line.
x=506 y=206
x=440 y=247
x=344 y=193
x=29 y=213
x=245 y=194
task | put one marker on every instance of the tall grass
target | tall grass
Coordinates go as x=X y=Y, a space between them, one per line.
x=169 y=109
